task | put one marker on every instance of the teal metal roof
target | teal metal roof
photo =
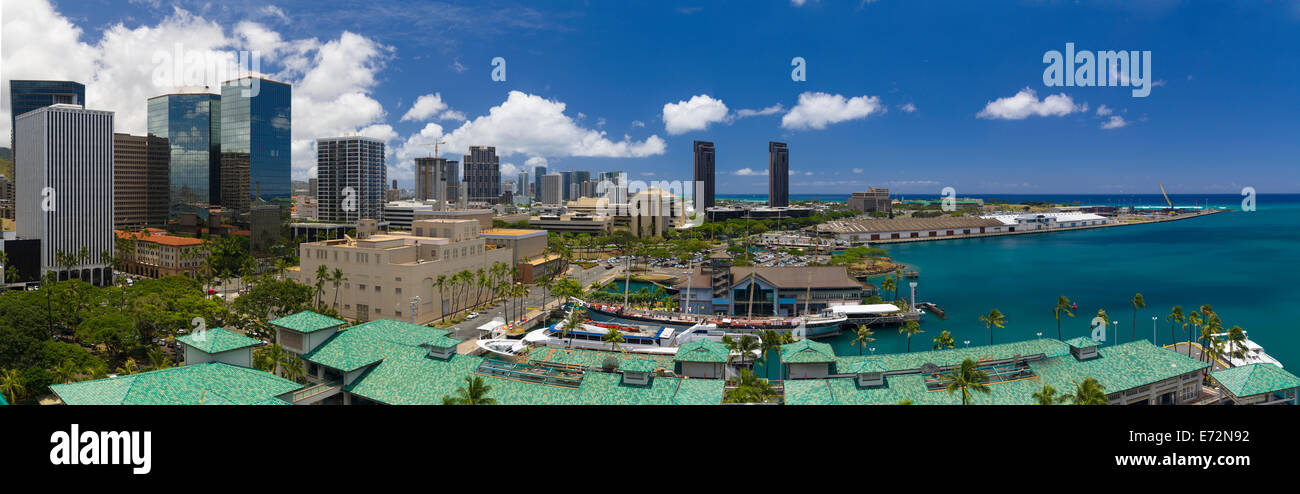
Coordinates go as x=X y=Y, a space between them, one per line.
x=591 y=359
x=706 y=351
x=807 y=351
x=944 y=358
x=217 y=340
x=1082 y=342
x=362 y=345
x=212 y=383
x=637 y=365
x=307 y=322
x=862 y=367
x=444 y=342
x=1254 y=379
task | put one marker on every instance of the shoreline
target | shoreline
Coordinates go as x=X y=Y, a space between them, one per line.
x=1054 y=230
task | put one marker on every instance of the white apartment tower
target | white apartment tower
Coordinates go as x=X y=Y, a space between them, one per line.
x=352 y=177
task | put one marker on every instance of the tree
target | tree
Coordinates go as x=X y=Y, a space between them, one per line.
x=129 y=367
x=322 y=275
x=474 y=392
x=1048 y=396
x=1237 y=337
x=1062 y=307
x=613 y=337
x=888 y=284
x=944 y=340
x=12 y=384
x=1176 y=316
x=1138 y=302
x=1089 y=392
x=862 y=335
x=992 y=319
x=293 y=368
x=159 y=360
x=966 y=377
x=1193 y=320
x=748 y=388
x=910 y=328
x=571 y=322
x=440 y=284
x=338 y=278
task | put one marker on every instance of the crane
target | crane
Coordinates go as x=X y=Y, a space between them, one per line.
x=435 y=148
x=1171 y=203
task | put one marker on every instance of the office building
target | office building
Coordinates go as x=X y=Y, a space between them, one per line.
x=65 y=188
x=431 y=179
x=778 y=175
x=352 y=174
x=552 y=191
x=28 y=95
x=139 y=181
x=872 y=201
x=523 y=188
x=538 y=172
x=255 y=143
x=482 y=174
x=190 y=120
x=704 y=160
x=451 y=175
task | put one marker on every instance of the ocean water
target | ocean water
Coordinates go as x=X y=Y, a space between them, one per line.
x=1241 y=263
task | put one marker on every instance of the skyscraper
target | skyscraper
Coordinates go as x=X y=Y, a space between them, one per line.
x=451 y=174
x=255 y=141
x=703 y=192
x=483 y=174
x=431 y=179
x=139 y=181
x=566 y=186
x=65 y=188
x=190 y=120
x=778 y=174
x=524 y=188
x=552 y=192
x=25 y=96
x=538 y=172
x=352 y=174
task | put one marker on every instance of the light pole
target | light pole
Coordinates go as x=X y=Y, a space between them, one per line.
x=1040 y=335
x=913 y=285
x=1153 y=330
x=1116 y=323
x=967 y=343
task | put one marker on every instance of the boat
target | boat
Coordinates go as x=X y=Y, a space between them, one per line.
x=591 y=336
x=1249 y=353
x=813 y=325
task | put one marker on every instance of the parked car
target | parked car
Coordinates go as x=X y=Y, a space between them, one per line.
x=471 y=315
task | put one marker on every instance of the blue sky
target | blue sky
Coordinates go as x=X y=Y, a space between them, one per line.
x=1222 y=114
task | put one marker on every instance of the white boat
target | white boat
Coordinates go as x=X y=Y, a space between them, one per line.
x=663 y=341
x=1249 y=353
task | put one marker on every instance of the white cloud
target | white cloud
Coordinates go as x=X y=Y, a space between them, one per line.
x=694 y=114
x=1026 y=103
x=429 y=105
x=509 y=170
x=747 y=172
x=1115 y=122
x=816 y=110
x=857 y=170
x=638 y=123
x=907 y=107
x=771 y=110
x=1103 y=110
x=535 y=161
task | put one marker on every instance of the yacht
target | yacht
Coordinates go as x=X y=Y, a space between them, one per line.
x=1248 y=353
x=590 y=335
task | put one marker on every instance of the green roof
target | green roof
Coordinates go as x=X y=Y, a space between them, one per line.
x=217 y=340
x=944 y=358
x=591 y=359
x=1082 y=342
x=1254 y=379
x=307 y=322
x=862 y=367
x=807 y=351
x=706 y=351
x=637 y=365
x=444 y=342
x=362 y=345
x=211 y=383
x=1119 y=367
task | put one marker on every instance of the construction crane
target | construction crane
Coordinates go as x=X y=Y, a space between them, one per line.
x=435 y=148
x=1171 y=203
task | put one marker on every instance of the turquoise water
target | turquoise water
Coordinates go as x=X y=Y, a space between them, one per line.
x=1241 y=263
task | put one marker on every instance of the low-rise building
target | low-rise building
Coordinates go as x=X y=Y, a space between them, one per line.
x=719 y=288
x=1049 y=221
x=857 y=232
x=155 y=254
x=573 y=223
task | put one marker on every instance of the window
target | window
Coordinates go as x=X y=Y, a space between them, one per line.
x=399 y=290
x=378 y=288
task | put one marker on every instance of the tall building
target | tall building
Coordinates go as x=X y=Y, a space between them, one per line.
x=431 y=179
x=65 y=188
x=778 y=174
x=255 y=141
x=139 y=181
x=703 y=193
x=524 y=189
x=25 y=96
x=482 y=174
x=552 y=189
x=871 y=201
x=190 y=120
x=451 y=175
x=566 y=185
x=538 y=171
x=312 y=187
x=352 y=174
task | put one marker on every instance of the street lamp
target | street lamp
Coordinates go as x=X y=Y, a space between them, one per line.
x=1153 y=330
x=873 y=350
x=1116 y=323
x=1040 y=335
x=913 y=285
x=967 y=343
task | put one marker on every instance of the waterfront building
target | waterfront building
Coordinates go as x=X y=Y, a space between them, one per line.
x=778 y=174
x=64 y=167
x=218 y=345
x=758 y=213
x=482 y=174
x=1256 y=384
x=190 y=120
x=702 y=359
x=352 y=173
x=391 y=274
x=255 y=141
x=155 y=254
x=872 y=201
x=857 y=232
x=1048 y=221
x=211 y=383
x=717 y=287
x=139 y=181
x=704 y=175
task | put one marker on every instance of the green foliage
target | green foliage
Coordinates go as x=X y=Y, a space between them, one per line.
x=270 y=299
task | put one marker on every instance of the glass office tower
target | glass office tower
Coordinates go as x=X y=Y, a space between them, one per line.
x=191 y=123
x=255 y=142
x=25 y=96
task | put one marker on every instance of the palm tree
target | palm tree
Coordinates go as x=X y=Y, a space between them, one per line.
x=1176 y=316
x=275 y=355
x=1089 y=392
x=744 y=346
x=12 y=385
x=888 y=284
x=966 y=377
x=571 y=322
x=1193 y=319
x=293 y=368
x=1237 y=337
x=158 y=359
x=944 y=340
x=861 y=336
x=338 y=278
x=1138 y=302
x=910 y=328
x=994 y=318
x=749 y=388
x=1048 y=396
x=440 y=284
x=322 y=274
x=1062 y=306
x=474 y=392
x=68 y=371
x=613 y=337
x=129 y=367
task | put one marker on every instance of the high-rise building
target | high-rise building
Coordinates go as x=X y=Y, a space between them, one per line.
x=139 y=182
x=538 y=172
x=312 y=185
x=190 y=120
x=451 y=175
x=255 y=142
x=431 y=179
x=25 y=96
x=65 y=188
x=524 y=189
x=482 y=174
x=352 y=173
x=778 y=174
x=703 y=193
x=552 y=189
x=872 y=201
